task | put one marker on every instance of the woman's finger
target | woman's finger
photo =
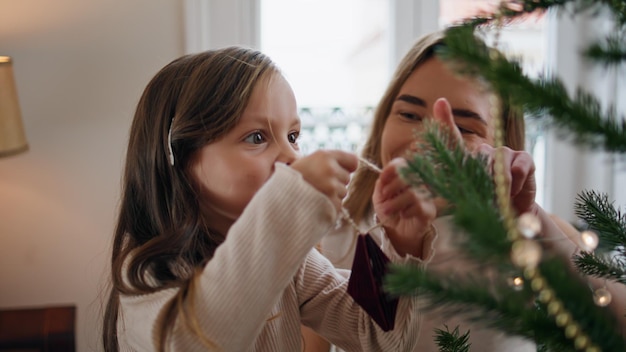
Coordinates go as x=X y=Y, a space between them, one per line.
x=442 y=113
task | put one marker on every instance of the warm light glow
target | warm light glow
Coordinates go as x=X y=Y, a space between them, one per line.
x=590 y=240
x=602 y=297
x=12 y=136
x=516 y=282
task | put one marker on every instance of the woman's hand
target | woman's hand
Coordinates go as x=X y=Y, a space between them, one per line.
x=518 y=170
x=519 y=176
x=405 y=212
x=328 y=171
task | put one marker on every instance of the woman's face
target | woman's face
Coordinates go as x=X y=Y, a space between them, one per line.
x=432 y=80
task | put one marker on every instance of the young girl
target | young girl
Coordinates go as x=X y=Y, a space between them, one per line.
x=213 y=245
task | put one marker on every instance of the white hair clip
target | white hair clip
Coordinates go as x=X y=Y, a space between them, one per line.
x=170 y=152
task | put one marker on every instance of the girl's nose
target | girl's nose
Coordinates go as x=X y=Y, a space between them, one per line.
x=287 y=154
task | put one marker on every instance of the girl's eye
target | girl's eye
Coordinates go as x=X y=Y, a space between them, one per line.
x=255 y=138
x=293 y=137
x=410 y=116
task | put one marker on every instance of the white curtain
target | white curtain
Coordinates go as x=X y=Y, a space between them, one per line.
x=569 y=168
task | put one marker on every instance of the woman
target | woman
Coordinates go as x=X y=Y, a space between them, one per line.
x=424 y=87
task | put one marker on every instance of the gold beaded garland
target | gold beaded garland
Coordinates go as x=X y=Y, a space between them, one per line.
x=581 y=342
x=545 y=295
x=522 y=254
x=571 y=330
x=537 y=284
x=525 y=253
x=563 y=319
x=555 y=307
x=529 y=273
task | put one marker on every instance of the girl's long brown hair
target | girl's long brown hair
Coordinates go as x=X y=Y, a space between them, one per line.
x=161 y=238
x=359 y=199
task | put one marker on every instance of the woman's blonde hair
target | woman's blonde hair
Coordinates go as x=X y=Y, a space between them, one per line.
x=359 y=199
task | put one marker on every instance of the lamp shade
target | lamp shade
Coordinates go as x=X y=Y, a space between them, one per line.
x=12 y=136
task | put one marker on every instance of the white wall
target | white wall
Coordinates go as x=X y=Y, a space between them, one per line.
x=80 y=67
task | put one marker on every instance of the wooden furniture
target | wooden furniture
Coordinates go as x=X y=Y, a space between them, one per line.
x=46 y=329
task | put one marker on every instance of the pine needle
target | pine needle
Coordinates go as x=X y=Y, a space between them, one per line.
x=451 y=341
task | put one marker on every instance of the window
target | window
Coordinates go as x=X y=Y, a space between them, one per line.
x=336 y=56
x=339 y=54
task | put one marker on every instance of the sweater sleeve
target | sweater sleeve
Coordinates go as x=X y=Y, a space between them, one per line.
x=249 y=271
x=330 y=310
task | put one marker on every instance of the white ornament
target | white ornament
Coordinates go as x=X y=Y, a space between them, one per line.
x=528 y=225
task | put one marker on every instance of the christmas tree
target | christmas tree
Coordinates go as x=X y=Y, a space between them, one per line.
x=536 y=295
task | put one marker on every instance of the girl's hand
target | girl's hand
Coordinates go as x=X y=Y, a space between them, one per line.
x=405 y=212
x=329 y=172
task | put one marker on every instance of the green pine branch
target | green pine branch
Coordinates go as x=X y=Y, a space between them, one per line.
x=509 y=11
x=598 y=323
x=610 y=268
x=607 y=221
x=449 y=172
x=609 y=52
x=494 y=304
x=618 y=9
x=582 y=116
x=452 y=341
x=472 y=296
x=603 y=217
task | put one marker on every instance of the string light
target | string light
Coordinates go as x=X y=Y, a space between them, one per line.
x=516 y=282
x=602 y=297
x=589 y=240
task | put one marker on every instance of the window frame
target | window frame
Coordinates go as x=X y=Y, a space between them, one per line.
x=211 y=24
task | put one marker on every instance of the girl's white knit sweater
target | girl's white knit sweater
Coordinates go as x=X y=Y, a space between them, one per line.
x=265 y=280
